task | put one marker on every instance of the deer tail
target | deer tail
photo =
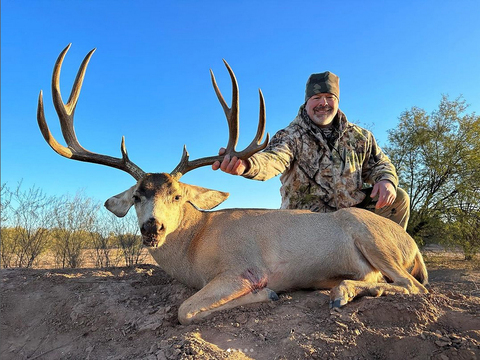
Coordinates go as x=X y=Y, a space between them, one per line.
x=419 y=270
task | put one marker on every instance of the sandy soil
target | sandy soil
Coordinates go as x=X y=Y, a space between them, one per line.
x=131 y=313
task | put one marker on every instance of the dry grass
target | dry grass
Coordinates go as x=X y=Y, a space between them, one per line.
x=435 y=256
x=47 y=260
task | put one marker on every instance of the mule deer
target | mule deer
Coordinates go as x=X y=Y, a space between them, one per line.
x=242 y=256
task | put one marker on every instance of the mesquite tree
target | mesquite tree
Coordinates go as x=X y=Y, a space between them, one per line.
x=437 y=156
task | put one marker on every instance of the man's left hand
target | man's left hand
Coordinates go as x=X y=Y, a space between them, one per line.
x=386 y=193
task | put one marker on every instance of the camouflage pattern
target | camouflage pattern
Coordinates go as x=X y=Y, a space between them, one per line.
x=319 y=177
x=325 y=82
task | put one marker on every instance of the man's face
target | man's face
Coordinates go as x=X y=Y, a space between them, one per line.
x=322 y=108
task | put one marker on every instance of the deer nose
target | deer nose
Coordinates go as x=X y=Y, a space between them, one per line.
x=151 y=227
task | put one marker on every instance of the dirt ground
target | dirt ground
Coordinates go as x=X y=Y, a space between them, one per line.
x=131 y=313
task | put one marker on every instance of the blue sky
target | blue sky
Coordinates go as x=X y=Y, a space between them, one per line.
x=149 y=78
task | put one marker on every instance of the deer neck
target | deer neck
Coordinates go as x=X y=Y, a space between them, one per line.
x=174 y=255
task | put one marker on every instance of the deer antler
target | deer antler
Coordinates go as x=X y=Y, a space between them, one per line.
x=66 y=112
x=231 y=113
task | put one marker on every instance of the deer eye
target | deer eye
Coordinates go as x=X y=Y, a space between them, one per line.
x=136 y=199
x=178 y=197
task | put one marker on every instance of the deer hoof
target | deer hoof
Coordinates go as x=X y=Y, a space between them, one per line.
x=337 y=303
x=272 y=295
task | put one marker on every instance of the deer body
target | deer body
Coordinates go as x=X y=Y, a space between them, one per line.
x=250 y=254
x=240 y=240
x=242 y=256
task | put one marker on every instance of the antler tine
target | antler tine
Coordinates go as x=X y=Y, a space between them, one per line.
x=65 y=114
x=230 y=112
x=232 y=118
x=256 y=144
x=67 y=111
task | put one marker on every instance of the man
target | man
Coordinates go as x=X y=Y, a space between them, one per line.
x=326 y=160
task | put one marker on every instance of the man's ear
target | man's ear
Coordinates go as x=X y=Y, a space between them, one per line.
x=121 y=203
x=204 y=198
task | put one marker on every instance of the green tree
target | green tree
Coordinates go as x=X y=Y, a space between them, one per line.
x=463 y=226
x=437 y=157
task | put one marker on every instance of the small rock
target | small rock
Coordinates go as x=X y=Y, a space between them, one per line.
x=164 y=344
x=242 y=318
x=442 y=343
x=161 y=355
x=175 y=354
x=153 y=348
x=455 y=339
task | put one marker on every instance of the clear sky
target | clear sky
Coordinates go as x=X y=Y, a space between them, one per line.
x=149 y=78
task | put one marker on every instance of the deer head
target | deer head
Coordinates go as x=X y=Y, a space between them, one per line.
x=160 y=199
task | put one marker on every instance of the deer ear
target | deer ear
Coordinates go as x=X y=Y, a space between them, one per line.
x=121 y=203
x=204 y=198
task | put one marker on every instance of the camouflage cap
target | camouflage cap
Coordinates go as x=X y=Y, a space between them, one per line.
x=325 y=82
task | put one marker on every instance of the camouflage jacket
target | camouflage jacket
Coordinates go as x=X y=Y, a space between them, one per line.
x=317 y=176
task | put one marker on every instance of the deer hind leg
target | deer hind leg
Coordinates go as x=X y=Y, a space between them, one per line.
x=222 y=293
x=388 y=262
x=347 y=290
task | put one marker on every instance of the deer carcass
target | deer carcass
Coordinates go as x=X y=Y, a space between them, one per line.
x=241 y=256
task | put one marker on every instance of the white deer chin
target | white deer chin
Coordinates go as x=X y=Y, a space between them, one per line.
x=153 y=241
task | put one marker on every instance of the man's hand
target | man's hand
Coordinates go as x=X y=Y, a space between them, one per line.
x=234 y=166
x=386 y=193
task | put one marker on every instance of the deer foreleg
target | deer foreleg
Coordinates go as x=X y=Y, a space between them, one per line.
x=222 y=293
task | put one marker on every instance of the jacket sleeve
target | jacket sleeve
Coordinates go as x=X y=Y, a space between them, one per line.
x=377 y=166
x=275 y=159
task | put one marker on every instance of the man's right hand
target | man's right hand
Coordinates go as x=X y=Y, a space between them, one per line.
x=234 y=166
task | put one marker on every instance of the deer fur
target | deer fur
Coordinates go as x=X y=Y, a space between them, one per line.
x=241 y=256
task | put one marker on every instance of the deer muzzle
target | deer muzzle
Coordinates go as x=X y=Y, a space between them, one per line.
x=152 y=231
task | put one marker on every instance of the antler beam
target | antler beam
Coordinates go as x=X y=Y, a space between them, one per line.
x=231 y=113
